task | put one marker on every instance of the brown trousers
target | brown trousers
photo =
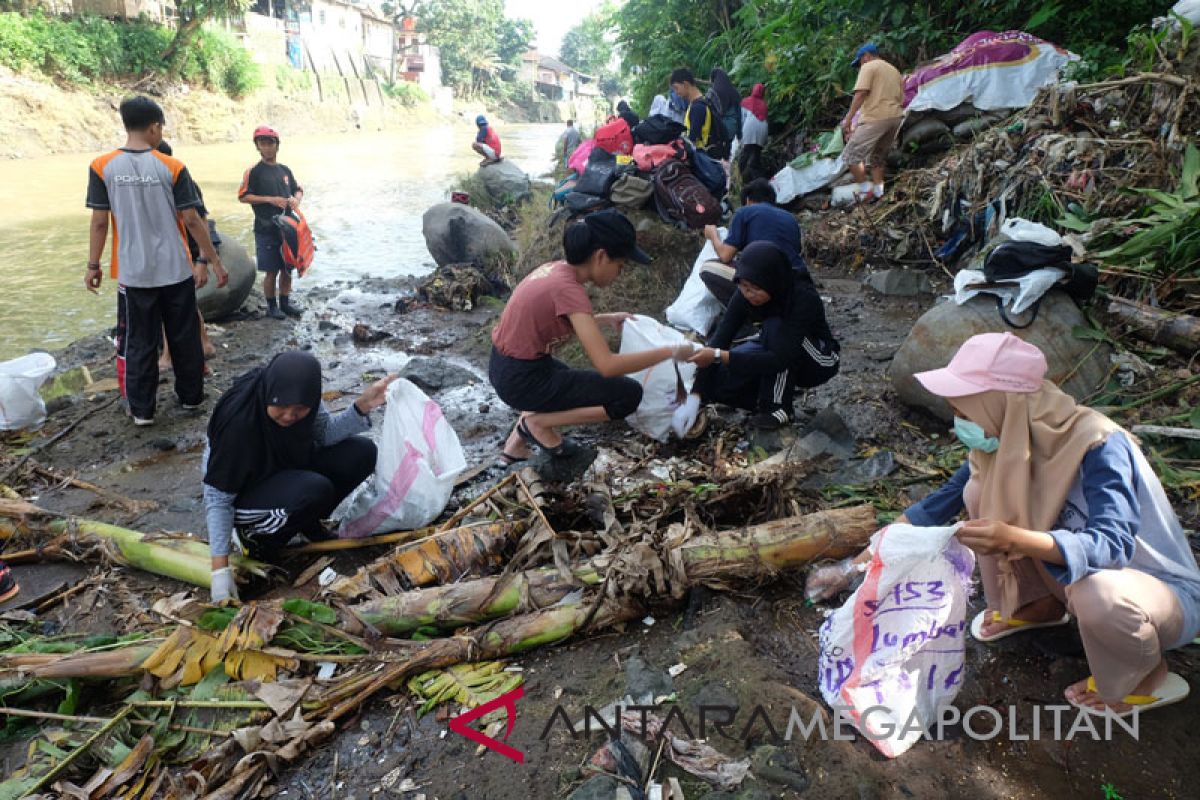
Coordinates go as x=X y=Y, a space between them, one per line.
x=1127 y=618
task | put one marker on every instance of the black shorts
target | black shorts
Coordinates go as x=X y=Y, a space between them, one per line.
x=268 y=251
x=546 y=384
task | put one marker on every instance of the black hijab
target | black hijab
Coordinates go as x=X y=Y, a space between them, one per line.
x=767 y=267
x=245 y=445
x=725 y=91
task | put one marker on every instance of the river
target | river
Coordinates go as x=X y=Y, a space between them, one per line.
x=364 y=197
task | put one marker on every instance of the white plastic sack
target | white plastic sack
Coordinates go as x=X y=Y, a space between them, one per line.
x=419 y=458
x=20 y=404
x=696 y=309
x=1016 y=229
x=665 y=386
x=1188 y=9
x=1019 y=293
x=893 y=654
x=792 y=183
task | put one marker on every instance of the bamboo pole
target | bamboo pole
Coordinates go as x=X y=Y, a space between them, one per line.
x=145 y=723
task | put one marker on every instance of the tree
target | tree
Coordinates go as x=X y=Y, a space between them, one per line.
x=590 y=47
x=192 y=16
x=476 y=41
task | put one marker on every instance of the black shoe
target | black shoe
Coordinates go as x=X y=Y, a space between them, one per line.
x=770 y=420
x=274 y=313
x=8 y=584
x=287 y=308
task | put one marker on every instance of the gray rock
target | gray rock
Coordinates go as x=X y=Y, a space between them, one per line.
x=600 y=787
x=715 y=693
x=900 y=282
x=779 y=766
x=432 y=375
x=867 y=470
x=458 y=234
x=830 y=422
x=642 y=680
x=505 y=182
x=937 y=335
x=923 y=131
x=215 y=303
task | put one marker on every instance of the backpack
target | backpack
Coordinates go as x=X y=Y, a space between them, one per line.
x=731 y=118
x=631 y=191
x=580 y=203
x=615 y=137
x=649 y=156
x=657 y=129
x=710 y=173
x=1008 y=261
x=682 y=199
x=601 y=171
x=565 y=187
x=298 y=248
x=718 y=136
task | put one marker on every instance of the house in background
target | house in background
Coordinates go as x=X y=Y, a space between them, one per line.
x=417 y=61
x=554 y=80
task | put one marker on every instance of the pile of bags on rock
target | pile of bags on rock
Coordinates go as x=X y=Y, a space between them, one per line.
x=652 y=165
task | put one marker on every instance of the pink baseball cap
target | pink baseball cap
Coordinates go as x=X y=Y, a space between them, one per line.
x=988 y=362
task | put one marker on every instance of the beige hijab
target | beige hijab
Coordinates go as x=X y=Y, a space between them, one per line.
x=1044 y=436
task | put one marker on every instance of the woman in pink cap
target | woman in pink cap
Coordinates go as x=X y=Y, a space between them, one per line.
x=1067 y=517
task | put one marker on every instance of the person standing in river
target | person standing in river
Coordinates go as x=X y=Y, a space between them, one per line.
x=151 y=203
x=569 y=139
x=270 y=188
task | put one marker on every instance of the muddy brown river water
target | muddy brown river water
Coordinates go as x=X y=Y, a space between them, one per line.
x=364 y=197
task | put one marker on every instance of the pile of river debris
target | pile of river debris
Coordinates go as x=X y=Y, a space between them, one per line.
x=197 y=701
x=1108 y=163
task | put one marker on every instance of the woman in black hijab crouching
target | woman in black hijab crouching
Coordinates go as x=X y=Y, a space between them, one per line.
x=794 y=347
x=278 y=462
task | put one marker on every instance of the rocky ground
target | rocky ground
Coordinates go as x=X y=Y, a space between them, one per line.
x=751 y=650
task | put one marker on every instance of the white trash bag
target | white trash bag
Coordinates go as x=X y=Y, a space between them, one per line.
x=696 y=309
x=892 y=656
x=419 y=458
x=20 y=404
x=1016 y=229
x=665 y=386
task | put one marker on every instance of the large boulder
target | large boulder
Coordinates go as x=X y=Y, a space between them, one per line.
x=216 y=303
x=937 y=335
x=505 y=182
x=458 y=234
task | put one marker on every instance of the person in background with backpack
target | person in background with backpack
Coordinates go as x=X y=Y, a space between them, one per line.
x=754 y=134
x=549 y=307
x=702 y=126
x=726 y=101
x=487 y=142
x=628 y=114
x=795 y=347
x=271 y=189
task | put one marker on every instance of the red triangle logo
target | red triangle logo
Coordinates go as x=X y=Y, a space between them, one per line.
x=507 y=701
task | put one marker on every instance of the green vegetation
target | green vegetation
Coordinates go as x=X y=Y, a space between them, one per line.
x=802 y=50
x=87 y=49
x=408 y=94
x=590 y=46
x=480 y=47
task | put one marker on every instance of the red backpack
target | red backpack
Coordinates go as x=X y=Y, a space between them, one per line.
x=682 y=199
x=298 y=248
x=615 y=137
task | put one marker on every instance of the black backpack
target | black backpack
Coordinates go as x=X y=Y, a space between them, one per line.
x=681 y=198
x=719 y=142
x=598 y=177
x=1009 y=261
x=658 y=129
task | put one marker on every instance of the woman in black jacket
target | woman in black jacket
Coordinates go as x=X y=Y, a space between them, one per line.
x=794 y=347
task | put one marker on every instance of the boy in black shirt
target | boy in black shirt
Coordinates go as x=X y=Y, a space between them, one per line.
x=271 y=188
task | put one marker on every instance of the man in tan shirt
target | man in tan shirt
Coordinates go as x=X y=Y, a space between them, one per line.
x=879 y=95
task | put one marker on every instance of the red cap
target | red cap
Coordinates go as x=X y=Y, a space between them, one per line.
x=265 y=131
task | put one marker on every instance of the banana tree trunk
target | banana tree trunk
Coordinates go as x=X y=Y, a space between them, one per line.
x=752 y=552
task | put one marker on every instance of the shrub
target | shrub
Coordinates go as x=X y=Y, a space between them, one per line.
x=408 y=94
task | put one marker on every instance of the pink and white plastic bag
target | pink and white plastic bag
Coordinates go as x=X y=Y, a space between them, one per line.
x=419 y=458
x=892 y=656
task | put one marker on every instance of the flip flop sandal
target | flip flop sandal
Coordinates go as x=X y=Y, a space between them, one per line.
x=566 y=448
x=507 y=460
x=1014 y=626
x=1173 y=689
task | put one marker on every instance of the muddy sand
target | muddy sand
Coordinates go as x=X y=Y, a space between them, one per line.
x=751 y=650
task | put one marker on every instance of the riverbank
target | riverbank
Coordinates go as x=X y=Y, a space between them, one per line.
x=43 y=118
x=753 y=652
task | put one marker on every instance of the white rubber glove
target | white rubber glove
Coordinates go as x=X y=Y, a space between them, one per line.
x=827 y=581
x=223 y=585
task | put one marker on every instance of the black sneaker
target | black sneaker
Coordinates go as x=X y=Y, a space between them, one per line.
x=8 y=584
x=289 y=309
x=274 y=313
x=770 y=420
